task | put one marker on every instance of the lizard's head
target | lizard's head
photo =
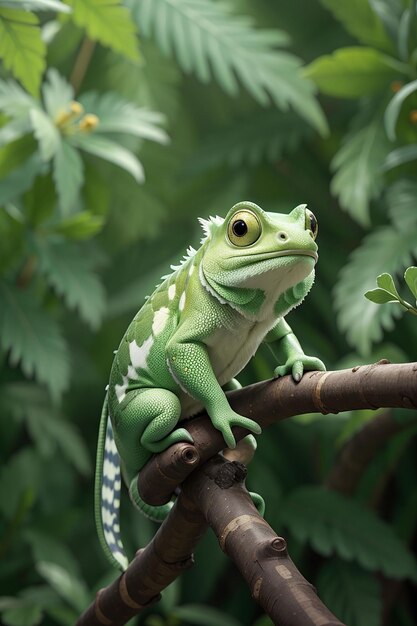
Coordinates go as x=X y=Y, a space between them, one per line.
x=254 y=249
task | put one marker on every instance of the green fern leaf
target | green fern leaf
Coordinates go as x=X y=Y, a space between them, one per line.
x=385 y=250
x=70 y=274
x=33 y=339
x=332 y=523
x=21 y=47
x=207 y=40
x=68 y=175
x=250 y=140
x=116 y=115
x=358 y=165
x=108 y=22
x=351 y=593
x=47 y=427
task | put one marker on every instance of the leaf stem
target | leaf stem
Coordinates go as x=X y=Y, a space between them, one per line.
x=82 y=62
x=27 y=271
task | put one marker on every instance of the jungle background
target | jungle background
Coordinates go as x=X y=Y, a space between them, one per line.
x=121 y=124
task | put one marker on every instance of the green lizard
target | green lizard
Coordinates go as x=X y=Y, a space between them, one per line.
x=197 y=331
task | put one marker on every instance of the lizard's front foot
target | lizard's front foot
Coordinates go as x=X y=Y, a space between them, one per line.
x=297 y=365
x=227 y=420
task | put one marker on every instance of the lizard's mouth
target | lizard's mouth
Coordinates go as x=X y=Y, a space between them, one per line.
x=263 y=256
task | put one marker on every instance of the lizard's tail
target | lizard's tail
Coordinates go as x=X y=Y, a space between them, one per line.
x=155 y=513
x=107 y=493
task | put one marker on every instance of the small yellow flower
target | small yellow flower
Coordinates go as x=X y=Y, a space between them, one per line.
x=396 y=85
x=88 y=123
x=74 y=110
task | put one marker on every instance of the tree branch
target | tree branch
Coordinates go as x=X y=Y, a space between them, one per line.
x=260 y=555
x=365 y=387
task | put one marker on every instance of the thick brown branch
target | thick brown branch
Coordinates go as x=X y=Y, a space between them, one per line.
x=261 y=556
x=365 y=387
x=154 y=568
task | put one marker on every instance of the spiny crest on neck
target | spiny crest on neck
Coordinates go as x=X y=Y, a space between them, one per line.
x=209 y=225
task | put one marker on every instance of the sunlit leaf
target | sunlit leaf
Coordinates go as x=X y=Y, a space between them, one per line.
x=353 y=72
x=21 y=47
x=410 y=277
x=399 y=156
x=37 y=5
x=46 y=133
x=15 y=101
x=57 y=93
x=385 y=281
x=108 y=22
x=380 y=296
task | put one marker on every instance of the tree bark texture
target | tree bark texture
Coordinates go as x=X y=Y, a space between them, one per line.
x=365 y=387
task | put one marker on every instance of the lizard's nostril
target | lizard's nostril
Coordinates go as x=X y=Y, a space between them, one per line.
x=282 y=236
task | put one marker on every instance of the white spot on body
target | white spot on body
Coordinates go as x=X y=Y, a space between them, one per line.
x=171 y=291
x=160 y=320
x=121 y=389
x=181 y=303
x=139 y=354
x=191 y=270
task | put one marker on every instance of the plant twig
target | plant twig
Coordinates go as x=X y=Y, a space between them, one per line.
x=82 y=62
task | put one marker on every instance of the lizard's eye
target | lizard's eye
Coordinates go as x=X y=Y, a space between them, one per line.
x=244 y=229
x=311 y=223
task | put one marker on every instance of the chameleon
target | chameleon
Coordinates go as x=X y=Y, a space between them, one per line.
x=192 y=336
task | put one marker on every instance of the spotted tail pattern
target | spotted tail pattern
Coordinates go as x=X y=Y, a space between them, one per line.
x=107 y=494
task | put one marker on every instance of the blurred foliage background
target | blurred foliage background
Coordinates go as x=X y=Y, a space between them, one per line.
x=120 y=124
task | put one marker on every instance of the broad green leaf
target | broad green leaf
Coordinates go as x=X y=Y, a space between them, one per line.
x=332 y=523
x=37 y=5
x=401 y=198
x=361 y=321
x=357 y=165
x=116 y=115
x=15 y=101
x=71 y=588
x=70 y=274
x=108 y=22
x=57 y=93
x=68 y=175
x=380 y=296
x=23 y=471
x=83 y=225
x=48 y=548
x=402 y=155
x=203 y=615
x=33 y=339
x=21 y=47
x=385 y=281
x=394 y=108
x=26 y=615
x=353 y=72
x=109 y=150
x=351 y=593
x=46 y=133
x=207 y=40
x=360 y=21
x=20 y=179
x=410 y=277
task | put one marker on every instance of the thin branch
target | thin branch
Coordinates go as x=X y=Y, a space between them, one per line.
x=366 y=387
x=82 y=62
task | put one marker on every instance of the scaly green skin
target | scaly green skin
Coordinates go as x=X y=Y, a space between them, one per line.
x=201 y=326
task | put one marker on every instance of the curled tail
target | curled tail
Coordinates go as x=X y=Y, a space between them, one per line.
x=107 y=493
